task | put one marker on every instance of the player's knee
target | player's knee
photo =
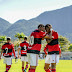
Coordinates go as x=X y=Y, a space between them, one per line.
x=46 y=66
x=53 y=65
x=26 y=62
x=33 y=67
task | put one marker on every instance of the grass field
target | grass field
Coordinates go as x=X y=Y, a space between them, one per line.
x=63 y=66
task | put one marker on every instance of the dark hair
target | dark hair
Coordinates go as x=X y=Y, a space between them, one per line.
x=41 y=25
x=46 y=26
x=25 y=38
x=8 y=38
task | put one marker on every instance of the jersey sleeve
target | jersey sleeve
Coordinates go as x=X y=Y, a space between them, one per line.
x=59 y=51
x=13 y=50
x=42 y=34
x=55 y=35
x=27 y=44
x=12 y=46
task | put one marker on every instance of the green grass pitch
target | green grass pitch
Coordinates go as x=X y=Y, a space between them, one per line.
x=62 y=66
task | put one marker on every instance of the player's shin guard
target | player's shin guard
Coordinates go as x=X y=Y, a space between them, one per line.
x=53 y=70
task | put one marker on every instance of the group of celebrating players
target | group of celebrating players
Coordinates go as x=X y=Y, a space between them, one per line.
x=30 y=51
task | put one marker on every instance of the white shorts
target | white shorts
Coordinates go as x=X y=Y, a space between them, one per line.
x=24 y=58
x=54 y=58
x=8 y=60
x=32 y=59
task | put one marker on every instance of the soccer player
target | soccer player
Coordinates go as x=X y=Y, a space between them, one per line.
x=53 y=49
x=23 y=46
x=7 y=50
x=35 y=46
x=45 y=50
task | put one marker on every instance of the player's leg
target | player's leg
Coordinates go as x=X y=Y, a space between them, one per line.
x=26 y=60
x=22 y=59
x=33 y=62
x=54 y=60
x=8 y=64
x=53 y=67
x=47 y=63
x=7 y=67
x=46 y=67
x=22 y=66
x=26 y=65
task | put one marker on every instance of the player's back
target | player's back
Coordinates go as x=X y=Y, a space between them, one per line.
x=7 y=49
x=24 y=45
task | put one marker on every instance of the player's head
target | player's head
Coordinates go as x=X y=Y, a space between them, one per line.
x=41 y=27
x=8 y=39
x=25 y=38
x=48 y=27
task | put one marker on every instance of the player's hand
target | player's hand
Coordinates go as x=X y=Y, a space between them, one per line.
x=15 y=57
x=60 y=55
x=46 y=54
x=18 y=56
x=0 y=57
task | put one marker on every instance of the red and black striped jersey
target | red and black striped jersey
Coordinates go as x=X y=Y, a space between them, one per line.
x=46 y=48
x=23 y=46
x=35 y=41
x=8 y=48
x=53 y=46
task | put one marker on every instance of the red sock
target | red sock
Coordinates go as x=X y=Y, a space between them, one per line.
x=9 y=67
x=26 y=66
x=31 y=70
x=53 y=70
x=22 y=68
x=48 y=70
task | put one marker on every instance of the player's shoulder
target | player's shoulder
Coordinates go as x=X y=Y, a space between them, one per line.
x=54 y=31
x=21 y=43
x=7 y=44
x=36 y=30
x=11 y=44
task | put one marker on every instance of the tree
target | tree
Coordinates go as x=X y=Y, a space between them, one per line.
x=17 y=42
x=70 y=48
x=64 y=43
x=2 y=38
x=2 y=41
x=20 y=35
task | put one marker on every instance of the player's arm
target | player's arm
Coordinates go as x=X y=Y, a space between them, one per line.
x=49 y=40
x=1 y=53
x=45 y=49
x=18 y=50
x=13 y=50
x=59 y=52
x=47 y=37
